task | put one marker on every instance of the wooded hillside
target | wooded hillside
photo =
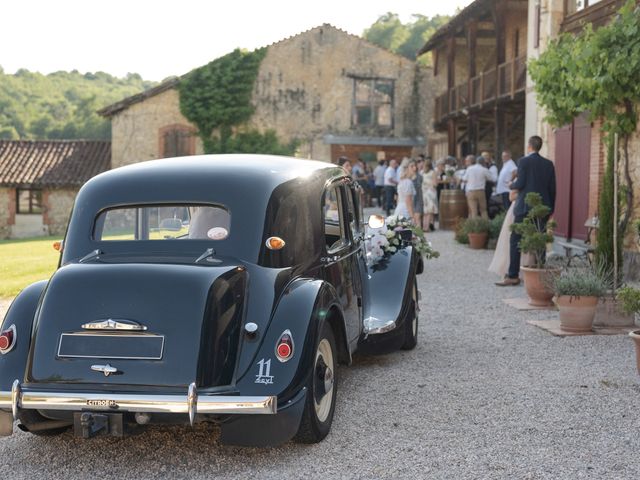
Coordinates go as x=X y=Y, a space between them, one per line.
x=61 y=105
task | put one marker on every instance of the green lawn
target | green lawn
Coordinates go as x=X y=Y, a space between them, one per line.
x=25 y=261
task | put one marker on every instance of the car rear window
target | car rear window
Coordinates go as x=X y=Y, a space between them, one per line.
x=163 y=222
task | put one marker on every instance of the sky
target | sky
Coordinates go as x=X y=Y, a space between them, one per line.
x=158 y=39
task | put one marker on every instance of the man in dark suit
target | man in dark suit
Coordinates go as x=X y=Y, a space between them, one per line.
x=535 y=174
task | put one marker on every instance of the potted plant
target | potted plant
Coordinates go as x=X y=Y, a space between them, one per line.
x=536 y=231
x=460 y=232
x=577 y=291
x=629 y=299
x=477 y=230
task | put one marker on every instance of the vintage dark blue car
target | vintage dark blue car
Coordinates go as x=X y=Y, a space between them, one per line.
x=220 y=289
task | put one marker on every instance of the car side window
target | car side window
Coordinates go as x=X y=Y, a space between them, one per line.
x=334 y=221
x=353 y=214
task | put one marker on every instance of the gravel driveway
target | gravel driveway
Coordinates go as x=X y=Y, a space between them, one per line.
x=482 y=396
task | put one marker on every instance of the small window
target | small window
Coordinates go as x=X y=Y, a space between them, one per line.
x=334 y=224
x=373 y=102
x=163 y=222
x=29 y=200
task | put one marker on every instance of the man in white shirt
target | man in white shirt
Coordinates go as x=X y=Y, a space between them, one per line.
x=390 y=184
x=459 y=175
x=378 y=175
x=476 y=178
x=506 y=176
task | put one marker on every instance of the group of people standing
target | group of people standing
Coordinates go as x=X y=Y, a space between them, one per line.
x=408 y=189
x=412 y=189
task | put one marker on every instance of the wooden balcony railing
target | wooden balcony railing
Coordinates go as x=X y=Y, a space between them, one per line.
x=500 y=83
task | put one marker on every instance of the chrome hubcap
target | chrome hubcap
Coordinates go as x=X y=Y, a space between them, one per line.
x=323 y=380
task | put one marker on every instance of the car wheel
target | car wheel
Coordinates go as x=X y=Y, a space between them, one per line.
x=321 y=391
x=411 y=322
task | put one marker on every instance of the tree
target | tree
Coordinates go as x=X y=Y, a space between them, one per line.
x=404 y=39
x=597 y=72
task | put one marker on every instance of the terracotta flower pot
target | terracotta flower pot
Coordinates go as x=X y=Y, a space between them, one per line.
x=576 y=313
x=478 y=241
x=635 y=335
x=538 y=285
x=609 y=314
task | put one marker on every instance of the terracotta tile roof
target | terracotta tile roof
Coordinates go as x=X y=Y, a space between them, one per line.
x=52 y=163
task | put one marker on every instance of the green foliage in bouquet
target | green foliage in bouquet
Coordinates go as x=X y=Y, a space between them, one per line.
x=535 y=232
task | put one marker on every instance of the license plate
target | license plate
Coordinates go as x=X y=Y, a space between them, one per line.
x=116 y=346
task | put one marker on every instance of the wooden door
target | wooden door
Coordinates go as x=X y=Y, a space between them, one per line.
x=572 y=163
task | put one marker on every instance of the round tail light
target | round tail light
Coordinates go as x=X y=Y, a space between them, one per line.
x=284 y=346
x=7 y=339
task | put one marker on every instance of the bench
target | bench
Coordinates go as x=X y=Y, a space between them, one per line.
x=585 y=249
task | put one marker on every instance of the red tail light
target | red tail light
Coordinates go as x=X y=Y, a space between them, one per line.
x=284 y=347
x=7 y=339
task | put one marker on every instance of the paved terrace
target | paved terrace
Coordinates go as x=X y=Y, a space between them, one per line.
x=484 y=395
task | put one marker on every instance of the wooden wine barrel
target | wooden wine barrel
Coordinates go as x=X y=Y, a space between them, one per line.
x=453 y=206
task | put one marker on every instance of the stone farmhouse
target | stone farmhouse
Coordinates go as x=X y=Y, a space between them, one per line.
x=334 y=92
x=39 y=181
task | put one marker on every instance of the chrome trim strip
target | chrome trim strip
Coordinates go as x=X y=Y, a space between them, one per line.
x=114 y=324
x=16 y=395
x=216 y=404
x=192 y=402
x=90 y=334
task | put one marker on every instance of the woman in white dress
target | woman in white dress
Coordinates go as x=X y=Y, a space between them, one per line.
x=500 y=263
x=406 y=192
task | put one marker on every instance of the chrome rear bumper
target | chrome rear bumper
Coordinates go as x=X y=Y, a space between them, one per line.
x=190 y=403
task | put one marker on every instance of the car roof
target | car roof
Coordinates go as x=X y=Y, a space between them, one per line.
x=244 y=183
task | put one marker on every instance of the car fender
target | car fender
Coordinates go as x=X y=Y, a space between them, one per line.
x=389 y=286
x=21 y=314
x=305 y=304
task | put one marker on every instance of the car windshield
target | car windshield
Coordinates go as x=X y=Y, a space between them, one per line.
x=163 y=222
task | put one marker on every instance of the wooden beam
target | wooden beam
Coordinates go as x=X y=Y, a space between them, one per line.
x=451 y=62
x=451 y=134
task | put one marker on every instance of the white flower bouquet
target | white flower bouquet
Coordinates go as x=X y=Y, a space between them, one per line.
x=397 y=233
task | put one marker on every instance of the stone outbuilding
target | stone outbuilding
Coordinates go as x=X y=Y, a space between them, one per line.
x=39 y=181
x=333 y=92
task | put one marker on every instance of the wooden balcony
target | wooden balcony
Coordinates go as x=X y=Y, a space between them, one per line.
x=597 y=14
x=502 y=83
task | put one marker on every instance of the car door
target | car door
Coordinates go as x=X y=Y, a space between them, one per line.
x=339 y=257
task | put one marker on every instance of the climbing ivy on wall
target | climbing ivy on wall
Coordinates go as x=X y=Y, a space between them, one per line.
x=217 y=99
x=598 y=72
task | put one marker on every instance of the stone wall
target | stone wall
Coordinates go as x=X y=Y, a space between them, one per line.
x=57 y=208
x=7 y=211
x=305 y=89
x=136 y=130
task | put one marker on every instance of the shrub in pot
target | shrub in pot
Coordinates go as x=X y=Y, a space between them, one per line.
x=629 y=299
x=536 y=231
x=460 y=232
x=477 y=230
x=577 y=291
